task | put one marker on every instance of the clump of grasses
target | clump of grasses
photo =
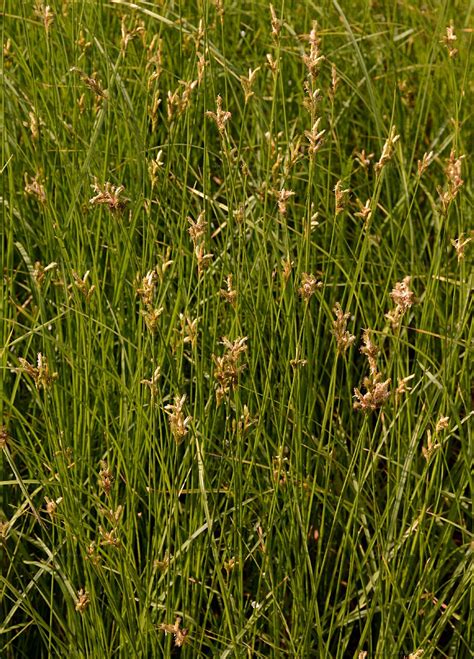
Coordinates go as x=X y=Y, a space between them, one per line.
x=235 y=396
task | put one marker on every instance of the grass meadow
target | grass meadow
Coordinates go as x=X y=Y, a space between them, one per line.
x=235 y=322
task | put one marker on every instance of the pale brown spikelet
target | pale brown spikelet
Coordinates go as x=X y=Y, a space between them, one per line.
x=34 y=187
x=430 y=448
x=177 y=421
x=344 y=339
x=403 y=387
x=155 y=167
x=460 y=244
x=4 y=437
x=309 y=285
x=365 y=211
x=271 y=63
x=52 y=505
x=146 y=291
x=228 y=366
x=297 y=362
x=370 y=350
x=152 y=383
x=44 y=13
x=220 y=117
x=454 y=181
x=276 y=23
x=203 y=259
x=417 y=654
x=334 y=82
x=248 y=82
x=180 y=99
x=106 y=477
x=109 y=538
x=388 y=150
x=287 y=267
x=442 y=424
x=153 y=109
x=376 y=394
x=82 y=601
x=341 y=197
x=107 y=194
x=449 y=39
x=311 y=99
x=151 y=316
x=220 y=10
x=92 y=82
x=188 y=330
x=83 y=285
x=425 y=163
x=282 y=199
x=404 y=298
x=128 y=33
x=314 y=58
x=82 y=42
x=197 y=229
x=402 y=295
x=154 y=57
x=40 y=374
x=315 y=137
x=39 y=271
x=230 y=295
x=364 y=159
x=180 y=634
x=201 y=67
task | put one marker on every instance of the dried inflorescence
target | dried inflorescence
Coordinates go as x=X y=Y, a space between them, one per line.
x=248 y=83
x=275 y=23
x=4 y=437
x=197 y=231
x=388 y=150
x=315 y=138
x=449 y=39
x=282 y=199
x=34 y=188
x=178 y=422
x=454 y=181
x=376 y=393
x=460 y=244
x=83 y=285
x=309 y=285
x=39 y=271
x=230 y=295
x=152 y=383
x=106 y=477
x=220 y=117
x=180 y=99
x=341 y=197
x=425 y=163
x=40 y=374
x=377 y=390
x=146 y=293
x=180 y=634
x=44 y=13
x=92 y=82
x=228 y=366
x=365 y=211
x=370 y=350
x=129 y=33
x=314 y=58
x=344 y=339
x=404 y=298
x=109 y=195
x=82 y=601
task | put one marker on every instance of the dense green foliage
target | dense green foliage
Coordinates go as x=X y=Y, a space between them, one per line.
x=235 y=451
